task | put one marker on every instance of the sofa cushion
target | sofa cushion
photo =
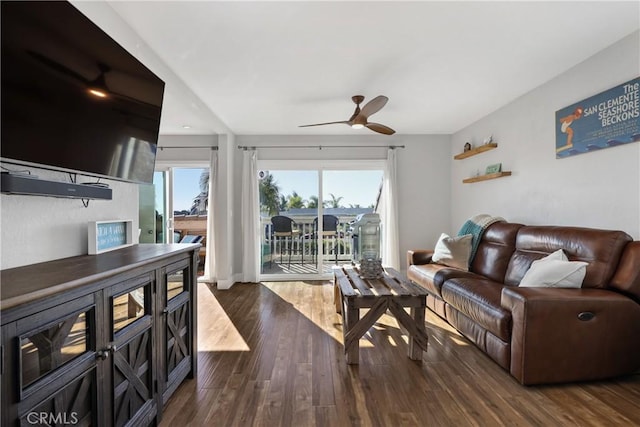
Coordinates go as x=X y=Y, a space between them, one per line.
x=557 y=256
x=453 y=251
x=627 y=277
x=432 y=276
x=479 y=299
x=494 y=252
x=601 y=249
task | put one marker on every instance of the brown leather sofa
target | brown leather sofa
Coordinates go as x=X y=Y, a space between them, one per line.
x=543 y=335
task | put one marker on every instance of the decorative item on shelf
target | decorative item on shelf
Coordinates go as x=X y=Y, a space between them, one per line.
x=472 y=151
x=488 y=140
x=494 y=168
x=371 y=268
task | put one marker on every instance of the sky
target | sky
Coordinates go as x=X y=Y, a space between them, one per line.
x=355 y=187
x=186 y=186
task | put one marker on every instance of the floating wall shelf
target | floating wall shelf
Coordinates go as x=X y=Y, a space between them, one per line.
x=477 y=150
x=486 y=177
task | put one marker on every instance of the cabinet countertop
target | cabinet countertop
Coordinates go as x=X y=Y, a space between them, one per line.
x=30 y=282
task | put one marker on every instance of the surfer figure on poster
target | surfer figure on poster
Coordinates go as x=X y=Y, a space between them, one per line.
x=566 y=127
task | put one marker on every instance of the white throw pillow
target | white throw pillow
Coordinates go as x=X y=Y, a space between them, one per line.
x=554 y=273
x=557 y=255
x=453 y=251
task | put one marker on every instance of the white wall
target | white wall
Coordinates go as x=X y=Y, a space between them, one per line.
x=424 y=209
x=423 y=170
x=599 y=189
x=37 y=229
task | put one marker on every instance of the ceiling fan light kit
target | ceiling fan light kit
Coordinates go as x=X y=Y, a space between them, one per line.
x=359 y=118
x=98 y=87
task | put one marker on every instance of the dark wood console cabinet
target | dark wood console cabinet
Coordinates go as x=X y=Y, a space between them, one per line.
x=100 y=340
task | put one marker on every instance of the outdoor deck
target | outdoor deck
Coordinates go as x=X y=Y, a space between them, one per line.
x=303 y=246
x=296 y=267
x=337 y=249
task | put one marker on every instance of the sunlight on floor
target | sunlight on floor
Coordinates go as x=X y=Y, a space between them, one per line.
x=221 y=334
x=302 y=306
x=459 y=341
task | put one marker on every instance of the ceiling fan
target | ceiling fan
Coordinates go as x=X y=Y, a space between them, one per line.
x=360 y=117
x=97 y=86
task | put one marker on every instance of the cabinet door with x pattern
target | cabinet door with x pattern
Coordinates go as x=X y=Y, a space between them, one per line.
x=130 y=348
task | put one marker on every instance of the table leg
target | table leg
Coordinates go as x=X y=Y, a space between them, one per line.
x=337 y=296
x=414 y=325
x=415 y=351
x=349 y=320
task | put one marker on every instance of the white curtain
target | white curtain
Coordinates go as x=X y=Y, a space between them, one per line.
x=210 y=273
x=390 y=246
x=250 y=217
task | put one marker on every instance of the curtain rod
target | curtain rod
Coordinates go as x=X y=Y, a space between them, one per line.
x=319 y=147
x=162 y=147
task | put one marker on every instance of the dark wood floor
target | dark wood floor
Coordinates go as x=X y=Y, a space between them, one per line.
x=272 y=355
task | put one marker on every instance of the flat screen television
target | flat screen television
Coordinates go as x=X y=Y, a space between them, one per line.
x=72 y=98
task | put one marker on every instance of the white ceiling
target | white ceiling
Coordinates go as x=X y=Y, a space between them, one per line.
x=266 y=67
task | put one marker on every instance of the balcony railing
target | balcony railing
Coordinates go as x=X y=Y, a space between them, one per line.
x=304 y=248
x=303 y=245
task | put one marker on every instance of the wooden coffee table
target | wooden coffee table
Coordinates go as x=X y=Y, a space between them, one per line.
x=391 y=292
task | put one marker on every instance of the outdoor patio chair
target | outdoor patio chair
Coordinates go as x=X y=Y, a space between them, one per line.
x=283 y=230
x=329 y=231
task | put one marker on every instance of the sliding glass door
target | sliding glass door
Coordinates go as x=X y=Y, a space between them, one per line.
x=176 y=205
x=306 y=208
x=288 y=213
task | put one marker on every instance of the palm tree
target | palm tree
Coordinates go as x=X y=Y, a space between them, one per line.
x=313 y=202
x=200 y=203
x=294 y=201
x=334 y=202
x=269 y=195
x=282 y=204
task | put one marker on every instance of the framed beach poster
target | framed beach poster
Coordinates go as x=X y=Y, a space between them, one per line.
x=605 y=120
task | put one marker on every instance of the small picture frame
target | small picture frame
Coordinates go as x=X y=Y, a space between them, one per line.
x=497 y=167
x=467 y=147
x=105 y=236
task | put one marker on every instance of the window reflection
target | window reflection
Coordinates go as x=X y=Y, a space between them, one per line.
x=44 y=351
x=175 y=284
x=128 y=307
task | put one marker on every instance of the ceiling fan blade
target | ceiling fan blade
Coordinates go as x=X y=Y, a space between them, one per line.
x=322 y=124
x=373 y=106
x=377 y=127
